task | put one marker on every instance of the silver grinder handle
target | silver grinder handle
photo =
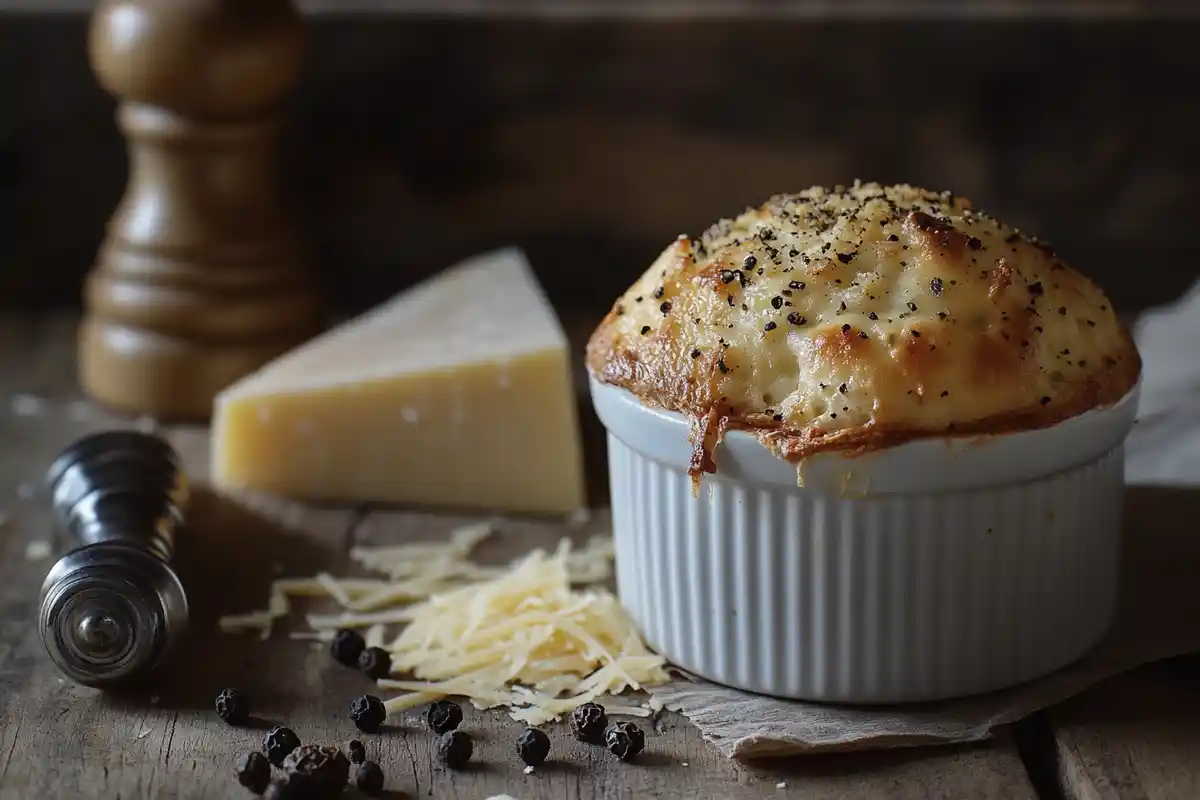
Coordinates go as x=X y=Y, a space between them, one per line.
x=112 y=609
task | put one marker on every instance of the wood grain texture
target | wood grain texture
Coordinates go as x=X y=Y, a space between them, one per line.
x=1134 y=738
x=60 y=740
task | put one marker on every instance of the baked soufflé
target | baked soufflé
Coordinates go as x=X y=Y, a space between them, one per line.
x=860 y=318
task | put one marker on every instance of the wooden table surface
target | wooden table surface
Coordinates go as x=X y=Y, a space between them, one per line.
x=1135 y=737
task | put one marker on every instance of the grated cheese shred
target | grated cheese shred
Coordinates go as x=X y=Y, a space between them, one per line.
x=539 y=637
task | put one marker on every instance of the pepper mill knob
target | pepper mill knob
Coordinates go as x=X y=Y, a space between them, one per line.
x=111 y=610
x=201 y=278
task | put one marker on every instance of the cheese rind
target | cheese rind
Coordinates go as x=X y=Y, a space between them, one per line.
x=456 y=393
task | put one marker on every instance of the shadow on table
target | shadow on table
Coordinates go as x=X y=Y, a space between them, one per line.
x=227 y=556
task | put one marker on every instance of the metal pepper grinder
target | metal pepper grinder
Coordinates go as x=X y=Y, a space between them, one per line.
x=111 y=609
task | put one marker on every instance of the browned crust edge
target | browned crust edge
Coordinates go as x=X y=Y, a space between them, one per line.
x=710 y=419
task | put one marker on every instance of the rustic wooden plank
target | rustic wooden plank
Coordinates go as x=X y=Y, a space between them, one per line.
x=1134 y=738
x=58 y=739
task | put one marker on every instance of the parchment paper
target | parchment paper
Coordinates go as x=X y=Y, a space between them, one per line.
x=1158 y=613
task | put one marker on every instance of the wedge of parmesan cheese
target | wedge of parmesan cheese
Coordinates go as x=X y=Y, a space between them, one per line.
x=471 y=369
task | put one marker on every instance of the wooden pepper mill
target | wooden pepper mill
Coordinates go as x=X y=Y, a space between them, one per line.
x=201 y=278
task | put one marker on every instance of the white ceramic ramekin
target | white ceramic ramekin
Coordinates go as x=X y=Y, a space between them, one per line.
x=935 y=569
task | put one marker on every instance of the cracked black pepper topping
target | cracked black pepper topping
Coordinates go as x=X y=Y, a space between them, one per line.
x=728 y=275
x=368 y=779
x=346 y=647
x=625 y=740
x=233 y=706
x=665 y=307
x=326 y=768
x=367 y=713
x=533 y=745
x=375 y=663
x=278 y=743
x=645 y=329
x=443 y=716
x=253 y=771
x=588 y=722
x=844 y=249
x=770 y=326
x=356 y=751
x=455 y=749
x=695 y=352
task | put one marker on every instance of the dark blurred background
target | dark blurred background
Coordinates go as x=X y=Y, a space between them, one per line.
x=420 y=137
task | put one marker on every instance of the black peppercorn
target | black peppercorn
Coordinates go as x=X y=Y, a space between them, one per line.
x=375 y=663
x=367 y=713
x=233 y=706
x=369 y=779
x=625 y=740
x=443 y=716
x=346 y=647
x=278 y=742
x=588 y=723
x=533 y=745
x=326 y=768
x=356 y=751
x=455 y=748
x=253 y=771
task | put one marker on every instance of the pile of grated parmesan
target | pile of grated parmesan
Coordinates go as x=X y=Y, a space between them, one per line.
x=518 y=637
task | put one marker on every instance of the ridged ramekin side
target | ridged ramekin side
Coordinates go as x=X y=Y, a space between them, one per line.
x=891 y=598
